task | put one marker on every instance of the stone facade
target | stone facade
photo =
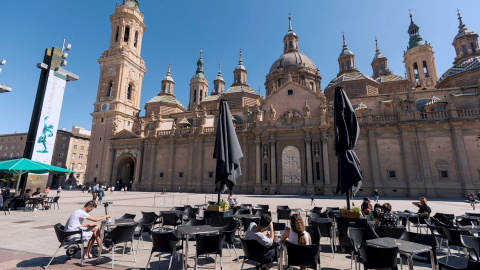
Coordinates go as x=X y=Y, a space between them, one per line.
x=418 y=134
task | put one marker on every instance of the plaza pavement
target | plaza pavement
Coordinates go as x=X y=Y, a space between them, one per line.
x=28 y=240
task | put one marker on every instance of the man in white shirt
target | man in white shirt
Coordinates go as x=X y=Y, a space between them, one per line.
x=90 y=231
x=265 y=238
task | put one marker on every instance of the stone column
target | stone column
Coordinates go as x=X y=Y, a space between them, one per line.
x=245 y=184
x=112 y=162
x=151 y=175
x=258 y=165
x=326 y=165
x=138 y=165
x=171 y=166
x=273 y=165
x=191 y=165
x=425 y=165
x=373 y=153
x=462 y=160
x=408 y=162
x=200 y=158
x=308 y=149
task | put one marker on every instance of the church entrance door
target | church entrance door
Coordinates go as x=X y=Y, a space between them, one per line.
x=125 y=173
x=291 y=169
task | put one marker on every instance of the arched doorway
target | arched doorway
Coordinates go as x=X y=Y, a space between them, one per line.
x=125 y=172
x=291 y=168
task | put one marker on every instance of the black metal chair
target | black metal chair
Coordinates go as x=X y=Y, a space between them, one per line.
x=246 y=205
x=303 y=256
x=315 y=216
x=378 y=258
x=473 y=214
x=315 y=236
x=170 y=219
x=424 y=239
x=472 y=243
x=316 y=210
x=279 y=226
x=68 y=238
x=392 y=232
x=453 y=239
x=283 y=207
x=265 y=207
x=196 y=222
x=261 y=212
x=32 y=203
x=343 y=224
x=119 y=235
x=243 y=211
x=128 y=216
x=261 y=255
x=189 y=213
x=158 y=220
x=357 y=240
x=178 y=208
x=145 y=225
x=326 y=230
x=417 y=221
x=445 y=218
x=219 y=221
x=229 y=231
x=164 y=243
x=436 y=230
x=6 y=205
x=209 y=244
x=283 y=214
x=54 y=202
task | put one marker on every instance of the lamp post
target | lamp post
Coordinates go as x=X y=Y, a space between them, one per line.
x=3 y=87
x=46 y=109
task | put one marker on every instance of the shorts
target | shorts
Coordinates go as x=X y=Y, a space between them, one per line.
x=85 y=233
x=472 y=203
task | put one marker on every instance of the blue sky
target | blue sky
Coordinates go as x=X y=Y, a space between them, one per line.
x=177 y=30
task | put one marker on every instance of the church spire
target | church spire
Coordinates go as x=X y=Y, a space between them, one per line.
x=240 y=73
x=240 y=62
x=461 y=25
x=290 y=40
x=167 y=83
x=199 y=73
x=414 y=33
x=290 y=24
x=346 y=59
x=219 y=82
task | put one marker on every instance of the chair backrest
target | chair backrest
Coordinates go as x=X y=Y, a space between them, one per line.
x=325 y=227
x=445 y=218
x=231 y=226
x=179 y=208
x=303 y=256
x=472 y=214
x=378 y=257
x=453 y=236
x=356 y=237
x=164 y=242
x=344 y=223
x=283 y=213
x=316 y=209
x=146 y=222
x=253 y=250
x=265 y=207
x=472 y=244
x=424 y=239
x=122 y=233
x=247 y=220
x=56 y=198
x=282 y=207
x=261 y=212
x=61 y=233
x=246 y=205
x=314 y=233
x=196 y=222
x=243 y=211
x=170 y=219
x=279 y=226
x=129 y=216
x=188 y=213
x=209 y=244
x=393 y=232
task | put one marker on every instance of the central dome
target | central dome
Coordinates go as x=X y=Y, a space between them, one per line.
x=292 y=59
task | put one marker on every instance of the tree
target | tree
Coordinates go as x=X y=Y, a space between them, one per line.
x=6 y=177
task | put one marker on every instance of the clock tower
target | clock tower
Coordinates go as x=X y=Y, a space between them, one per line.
x=118 y=96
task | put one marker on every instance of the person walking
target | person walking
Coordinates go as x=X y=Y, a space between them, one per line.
x=376 y=195
x=59 y=190
x=471 y=199
x=100 y=194
x=312 y=200
x=95 y=192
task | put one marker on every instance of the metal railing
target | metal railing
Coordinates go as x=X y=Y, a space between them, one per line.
x=169 y=200
x=214 y=197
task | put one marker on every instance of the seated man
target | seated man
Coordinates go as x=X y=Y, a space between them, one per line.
x=37 y=193
x=90 y=231
x=265 y=238
x=26 y=197
x=423 y=212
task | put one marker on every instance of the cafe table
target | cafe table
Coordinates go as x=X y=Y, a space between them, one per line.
x=108 y=225
x=409 y=249
x=194 y=230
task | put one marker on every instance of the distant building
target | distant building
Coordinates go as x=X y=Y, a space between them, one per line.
x=70 y=152
x=417 y=134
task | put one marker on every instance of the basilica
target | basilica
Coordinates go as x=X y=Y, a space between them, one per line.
x=418 y=134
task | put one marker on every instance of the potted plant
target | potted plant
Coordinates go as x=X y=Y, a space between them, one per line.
x=221 y=207
x=353 y=213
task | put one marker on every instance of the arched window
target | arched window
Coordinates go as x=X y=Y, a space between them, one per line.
x=343 y=65
x=376 y=69
x=127 y=34
x=457 y=51
x=243 y=78
x=382 y=67
x=216 y=87
x=290 y=44
x=109 y=91
x=116 y=34
x=238 y=78
x=285 y=45
x=168 y=88
x=348 y=64
x=135 y=40
x=201 y=95
x=163 y=88
x=195 y=95
x=129 y=92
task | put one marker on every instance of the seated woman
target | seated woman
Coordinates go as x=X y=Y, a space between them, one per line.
x=232 y=201
x=377 y=210
x=296 y=234
x=366 y=206
x=387 y=218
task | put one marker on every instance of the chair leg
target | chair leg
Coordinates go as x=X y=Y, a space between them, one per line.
x=146 y=267
x=234 y=250
x=229 y=252
x=196 y=259
x=351 y=261
x=170 y=264
x=132 y=249
x=221 y=262
x=113 y=256
x=241 y=268
x=124 y=246
x=215 y=261
x=54 y=257
x=82 y=248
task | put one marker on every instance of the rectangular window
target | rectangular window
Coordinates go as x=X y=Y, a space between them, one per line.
x=62 y=146
x=210 y=174
x=348 y=64
x=96 y=166
x=74 y=155
x=80 y=156
x=101 y=120
x=75 y=147
x=79 y=166
x=82 y=148
x=472 y=47
x=78 y=175
x=21 y=138
x=343 y=66
x=161 y=175
x=72 y=166
x=317 y=169
x=59 y=164
x=311 y=85
x=100 y=139
x=95 y=179
x=290 y=92
x=265 y=171
x=464 y=49
x=180 y=174
x=392 y=174
x=60 y=154
x=444 y=174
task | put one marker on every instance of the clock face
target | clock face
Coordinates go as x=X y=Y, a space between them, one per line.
x=104 y=107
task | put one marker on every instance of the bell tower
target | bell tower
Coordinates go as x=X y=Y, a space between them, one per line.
x=346 y=60
x=198 y=86
x=118 y=96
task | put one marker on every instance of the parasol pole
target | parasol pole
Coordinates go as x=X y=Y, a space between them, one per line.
x=348 y=199
x=218 y=199
x=18 y=183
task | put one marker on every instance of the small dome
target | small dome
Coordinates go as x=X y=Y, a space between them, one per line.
x=292 y=59
x=168 y=77
x=462 y=29
x=165 y=99
x=345 y=50
x=132 y=4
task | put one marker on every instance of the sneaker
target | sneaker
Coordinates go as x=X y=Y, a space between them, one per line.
x=35 y=209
